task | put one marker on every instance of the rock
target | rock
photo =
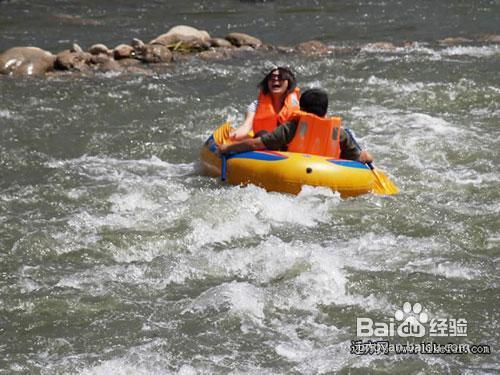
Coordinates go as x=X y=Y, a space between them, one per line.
x=128 y=62
x=100 y=48
x=312 y=47
x=217 y=54
x=154 y=53
x=241 y=39
x=490 y=38
x=387 y=46
x=219 y=42
x=190 y=32
x=137 y=44
x=342 y=51
x=184 y=38
x=181 y=56
x=285 y=49
x=26 y=61
x=68 y=60
x=123 y=51
x=105 y=63
x=138 y=70
x=181 y=43
x=76 y=48
x=453 y=41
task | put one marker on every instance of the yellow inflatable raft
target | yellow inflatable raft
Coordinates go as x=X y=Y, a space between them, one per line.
x=287 y=171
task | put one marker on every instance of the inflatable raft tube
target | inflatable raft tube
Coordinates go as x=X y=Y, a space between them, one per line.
x=287 y=172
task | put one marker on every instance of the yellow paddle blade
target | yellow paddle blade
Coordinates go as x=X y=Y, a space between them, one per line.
x=221 y=135
x=383 y=184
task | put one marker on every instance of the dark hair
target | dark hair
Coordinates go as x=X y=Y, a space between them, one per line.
x=314 y=101
x=285 y=73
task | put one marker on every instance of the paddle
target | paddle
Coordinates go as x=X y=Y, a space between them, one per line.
x=383 y=185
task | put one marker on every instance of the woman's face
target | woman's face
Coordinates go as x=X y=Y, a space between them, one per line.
x=276 y=84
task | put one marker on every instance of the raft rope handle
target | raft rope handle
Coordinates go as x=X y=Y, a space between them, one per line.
x=223 y=167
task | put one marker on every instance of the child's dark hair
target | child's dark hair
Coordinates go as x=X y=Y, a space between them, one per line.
x=285 y=73
x=314 y=101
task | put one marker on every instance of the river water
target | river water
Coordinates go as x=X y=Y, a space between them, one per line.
x=116 y=256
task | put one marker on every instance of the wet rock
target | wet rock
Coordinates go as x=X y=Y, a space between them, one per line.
x=387 y=46
x=312 y=48
x=128 y=62
x=241 y=39
x=123 y=51
x=285 y=49
x=154 y=53
x=345 y=51
x=188 y=32
x=185 y=38
x=69 y=60
x=76 y=48
x=490 y=38
x=216 y=54
x=137 y=44
x=100 y=48
x=410 y=44
x=138 y=70
x=26 y=61
x=105 y=63
x=182 y=43
x=181 y=56
x=220 y=42
x=453 y=41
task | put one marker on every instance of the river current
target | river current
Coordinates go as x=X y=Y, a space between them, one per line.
x=117 y=256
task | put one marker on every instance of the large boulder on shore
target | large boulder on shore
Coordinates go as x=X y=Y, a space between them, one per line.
x=26 y=61
x=242 y=39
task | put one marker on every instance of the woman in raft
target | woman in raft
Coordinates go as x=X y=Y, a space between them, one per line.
x=278 y=99
x=314 y=107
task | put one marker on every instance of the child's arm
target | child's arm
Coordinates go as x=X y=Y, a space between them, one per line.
x=250 y=144
x=350 y=151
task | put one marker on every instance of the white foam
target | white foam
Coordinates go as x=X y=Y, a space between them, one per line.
x=241 y=298
x=444 y=268
x=9 y=115
x=252 y=211
x=144 y=359
x=418 y=50
x=474 y=51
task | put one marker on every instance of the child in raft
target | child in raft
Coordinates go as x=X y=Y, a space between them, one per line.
x=312 y=101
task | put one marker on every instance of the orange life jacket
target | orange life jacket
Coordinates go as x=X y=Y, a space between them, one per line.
x=317 y=136
x=267 y=119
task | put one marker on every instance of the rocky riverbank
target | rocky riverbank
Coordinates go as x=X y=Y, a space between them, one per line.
x=180 y=43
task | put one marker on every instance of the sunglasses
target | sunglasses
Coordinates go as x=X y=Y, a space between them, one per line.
x=276 y=77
